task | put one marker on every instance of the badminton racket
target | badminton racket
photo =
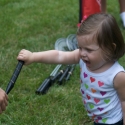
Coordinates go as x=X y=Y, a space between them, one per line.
x=64 y=74
x=60 y=44
x=47 y=82
x=70 y=72
x=14 y=76
x=72 y=44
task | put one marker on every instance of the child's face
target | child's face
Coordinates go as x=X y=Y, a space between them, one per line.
x=90 y=53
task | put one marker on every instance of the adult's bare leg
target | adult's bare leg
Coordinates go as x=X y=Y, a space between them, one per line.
x=122 y=11
x=103 y=6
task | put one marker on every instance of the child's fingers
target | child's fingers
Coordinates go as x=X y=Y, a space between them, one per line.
x=22 y=51
x=21 y=55
x=26 y=56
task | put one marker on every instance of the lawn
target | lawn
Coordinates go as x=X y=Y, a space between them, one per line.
x=36 y=25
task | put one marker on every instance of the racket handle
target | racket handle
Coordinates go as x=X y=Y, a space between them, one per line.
x=63 y=75
x=44 y=87
x=38 y=90
x=57 y=76
x=14 y=76
x=70 y=72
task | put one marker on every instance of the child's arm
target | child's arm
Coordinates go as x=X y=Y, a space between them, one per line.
x=119 y=85
x=50 y=57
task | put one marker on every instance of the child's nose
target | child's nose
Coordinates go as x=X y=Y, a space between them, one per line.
x=83 y=53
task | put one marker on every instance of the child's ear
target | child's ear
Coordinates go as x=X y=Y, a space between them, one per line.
x=114 y=46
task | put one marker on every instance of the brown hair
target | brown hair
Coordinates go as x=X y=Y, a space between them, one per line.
x=104 y=28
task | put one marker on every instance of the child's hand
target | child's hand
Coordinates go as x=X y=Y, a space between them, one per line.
x=26 y=56
x=3 y=100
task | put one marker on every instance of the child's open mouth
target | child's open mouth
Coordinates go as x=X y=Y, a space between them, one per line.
x=87 y=63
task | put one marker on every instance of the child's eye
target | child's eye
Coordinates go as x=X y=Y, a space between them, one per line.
x=79 y=48
x=89 y=50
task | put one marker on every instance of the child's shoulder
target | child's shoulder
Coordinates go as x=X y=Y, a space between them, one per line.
x=119 y=85
x=119 y=80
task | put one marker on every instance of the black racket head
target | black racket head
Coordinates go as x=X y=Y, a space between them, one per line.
x=61 y=45
x=71 y=42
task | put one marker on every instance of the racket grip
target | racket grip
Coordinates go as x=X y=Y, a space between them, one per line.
x=44 y=87
x=38 y=90
x=14 y=76
x=70 y=72
x=56 y=76
x=63 y=75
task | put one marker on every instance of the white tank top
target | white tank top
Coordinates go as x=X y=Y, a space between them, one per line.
x=99 y=96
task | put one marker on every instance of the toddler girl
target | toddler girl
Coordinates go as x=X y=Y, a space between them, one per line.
x=100 y=44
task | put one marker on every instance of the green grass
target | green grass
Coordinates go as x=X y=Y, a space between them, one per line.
x=36 y=25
